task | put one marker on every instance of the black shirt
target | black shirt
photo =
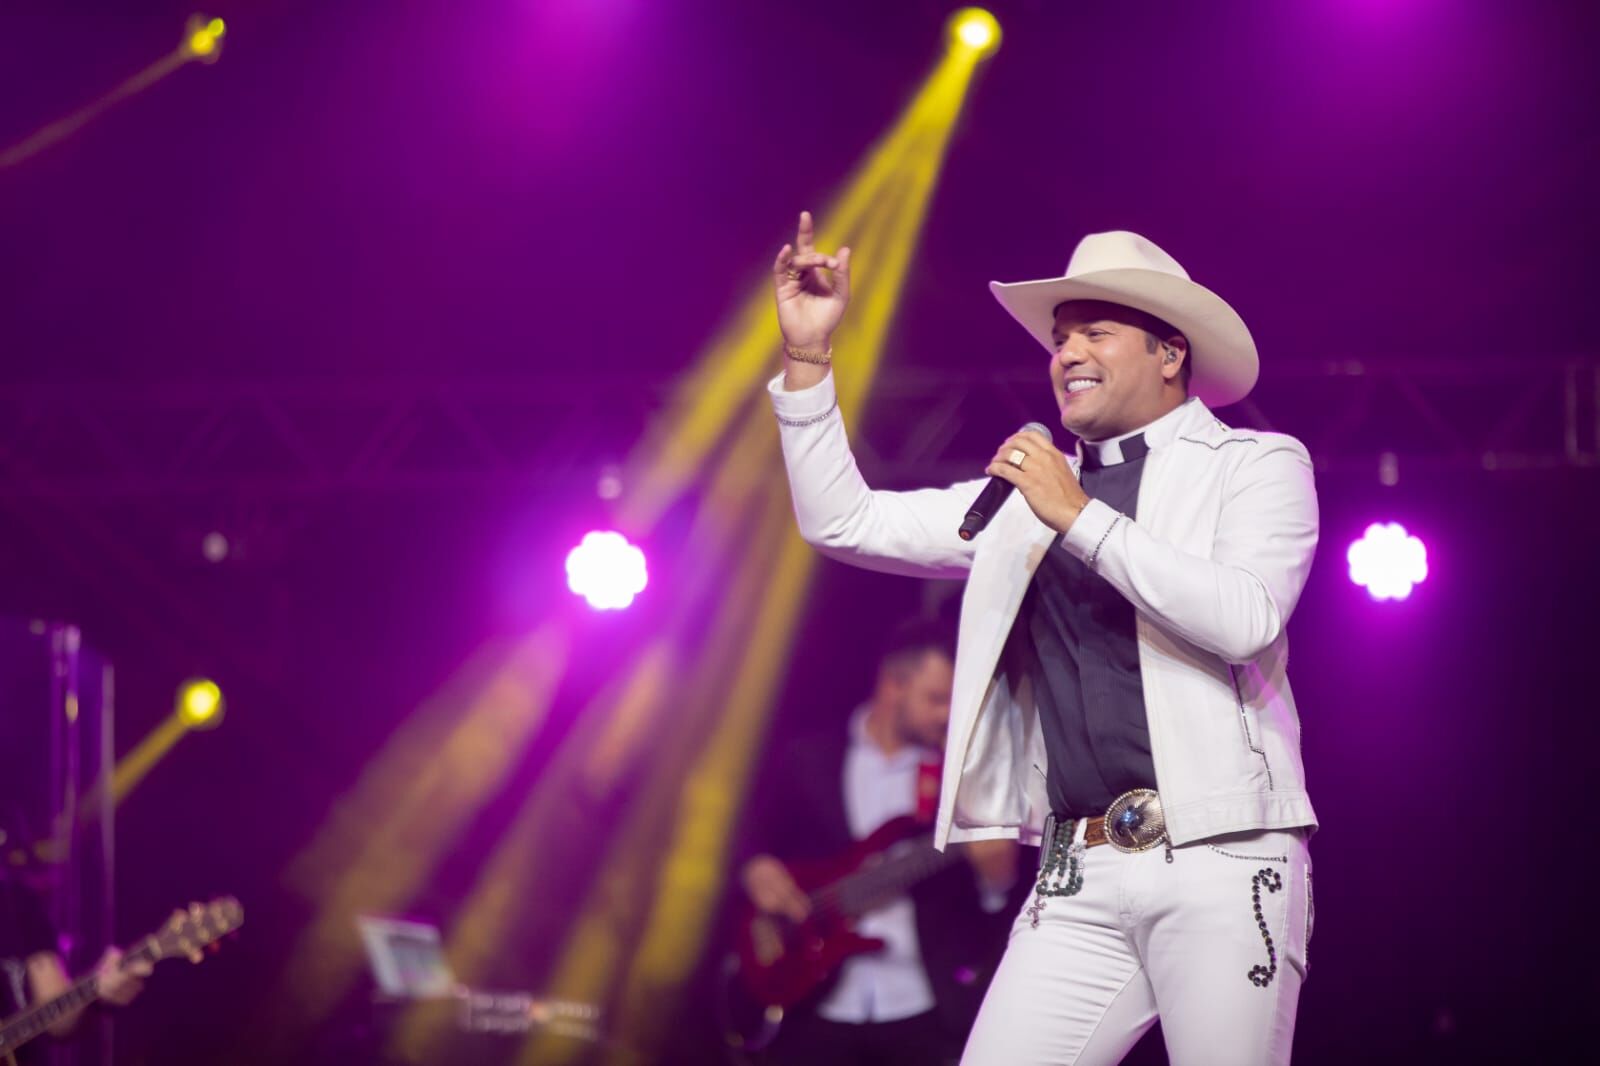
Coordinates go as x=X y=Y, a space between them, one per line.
x=1074 y=637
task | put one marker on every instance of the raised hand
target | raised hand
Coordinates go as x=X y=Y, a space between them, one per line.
x=813 y=289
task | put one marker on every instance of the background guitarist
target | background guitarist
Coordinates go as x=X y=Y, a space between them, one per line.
x=32 y=969
x=914 y=1001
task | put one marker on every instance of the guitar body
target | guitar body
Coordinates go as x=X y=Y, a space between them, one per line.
x=782 y=962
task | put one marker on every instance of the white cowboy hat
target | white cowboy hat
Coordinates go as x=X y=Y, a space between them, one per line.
x=1124 y=268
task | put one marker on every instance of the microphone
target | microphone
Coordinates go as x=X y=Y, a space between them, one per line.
x=993 y=495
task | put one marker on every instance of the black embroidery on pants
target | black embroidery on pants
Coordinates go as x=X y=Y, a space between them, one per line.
x=1272 y=881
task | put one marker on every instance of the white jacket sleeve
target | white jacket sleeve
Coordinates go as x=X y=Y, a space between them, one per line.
x=912 y=533
x=1236 y=603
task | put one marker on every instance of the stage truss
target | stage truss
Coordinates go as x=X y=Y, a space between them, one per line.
x=94 y=444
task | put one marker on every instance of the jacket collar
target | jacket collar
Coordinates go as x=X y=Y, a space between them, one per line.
x=1191 y=420
x=1181 y=420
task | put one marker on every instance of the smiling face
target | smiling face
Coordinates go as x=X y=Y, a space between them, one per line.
x=1115 y=369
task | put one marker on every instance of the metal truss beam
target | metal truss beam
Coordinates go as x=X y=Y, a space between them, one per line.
x=1382 y=419
x=102 y=443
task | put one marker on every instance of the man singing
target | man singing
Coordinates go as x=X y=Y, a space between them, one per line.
x=1120 y=692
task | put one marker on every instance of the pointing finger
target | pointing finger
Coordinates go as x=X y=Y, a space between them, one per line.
x=804 y=234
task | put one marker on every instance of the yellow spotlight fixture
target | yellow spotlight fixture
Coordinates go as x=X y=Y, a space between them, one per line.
x=200 y=703
x=972 y=29
x=202 y=38
x=201 y=42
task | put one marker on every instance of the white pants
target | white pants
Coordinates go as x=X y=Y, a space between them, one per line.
x=1145 y=937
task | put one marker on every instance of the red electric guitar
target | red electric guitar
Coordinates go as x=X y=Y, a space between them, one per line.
x=781 y=962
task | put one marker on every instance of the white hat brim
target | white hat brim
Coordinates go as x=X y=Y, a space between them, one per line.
x=1225 y=362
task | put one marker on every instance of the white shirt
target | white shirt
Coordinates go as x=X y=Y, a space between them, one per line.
x=890 y=984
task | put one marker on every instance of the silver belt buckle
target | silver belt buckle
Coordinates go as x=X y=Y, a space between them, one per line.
x=1134 y=821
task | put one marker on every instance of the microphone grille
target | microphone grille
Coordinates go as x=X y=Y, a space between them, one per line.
x=1039 y=428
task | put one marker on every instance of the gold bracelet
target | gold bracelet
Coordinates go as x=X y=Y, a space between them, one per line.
x=809 y=355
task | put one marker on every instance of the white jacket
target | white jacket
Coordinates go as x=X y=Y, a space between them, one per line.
x=1213 y=567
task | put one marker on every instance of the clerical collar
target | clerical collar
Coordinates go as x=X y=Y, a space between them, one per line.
x=1135 y=445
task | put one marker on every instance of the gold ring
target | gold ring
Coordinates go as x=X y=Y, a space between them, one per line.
x=1016 y=457
x=792 y=274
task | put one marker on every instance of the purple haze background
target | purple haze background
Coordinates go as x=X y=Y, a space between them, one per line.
x=431 y=189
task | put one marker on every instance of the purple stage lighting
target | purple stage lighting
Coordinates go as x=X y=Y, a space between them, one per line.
x=606 y=570
x=1387 y=561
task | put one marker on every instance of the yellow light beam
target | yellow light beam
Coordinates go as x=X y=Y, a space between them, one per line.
x=690 y=877
x=754 y=468
x=134 y=766
x=683 y=691
x=703 y=795
x=745 y=511
x=596 y=953
x=198 y=705
x=384 y=837
x=201 y=41
x=739 y=360
x=540 y=839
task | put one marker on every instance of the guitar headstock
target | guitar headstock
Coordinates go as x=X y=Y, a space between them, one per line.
x=189 y=932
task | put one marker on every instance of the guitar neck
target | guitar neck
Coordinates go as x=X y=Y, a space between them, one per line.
x=29 y=1023
x=866 y=889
